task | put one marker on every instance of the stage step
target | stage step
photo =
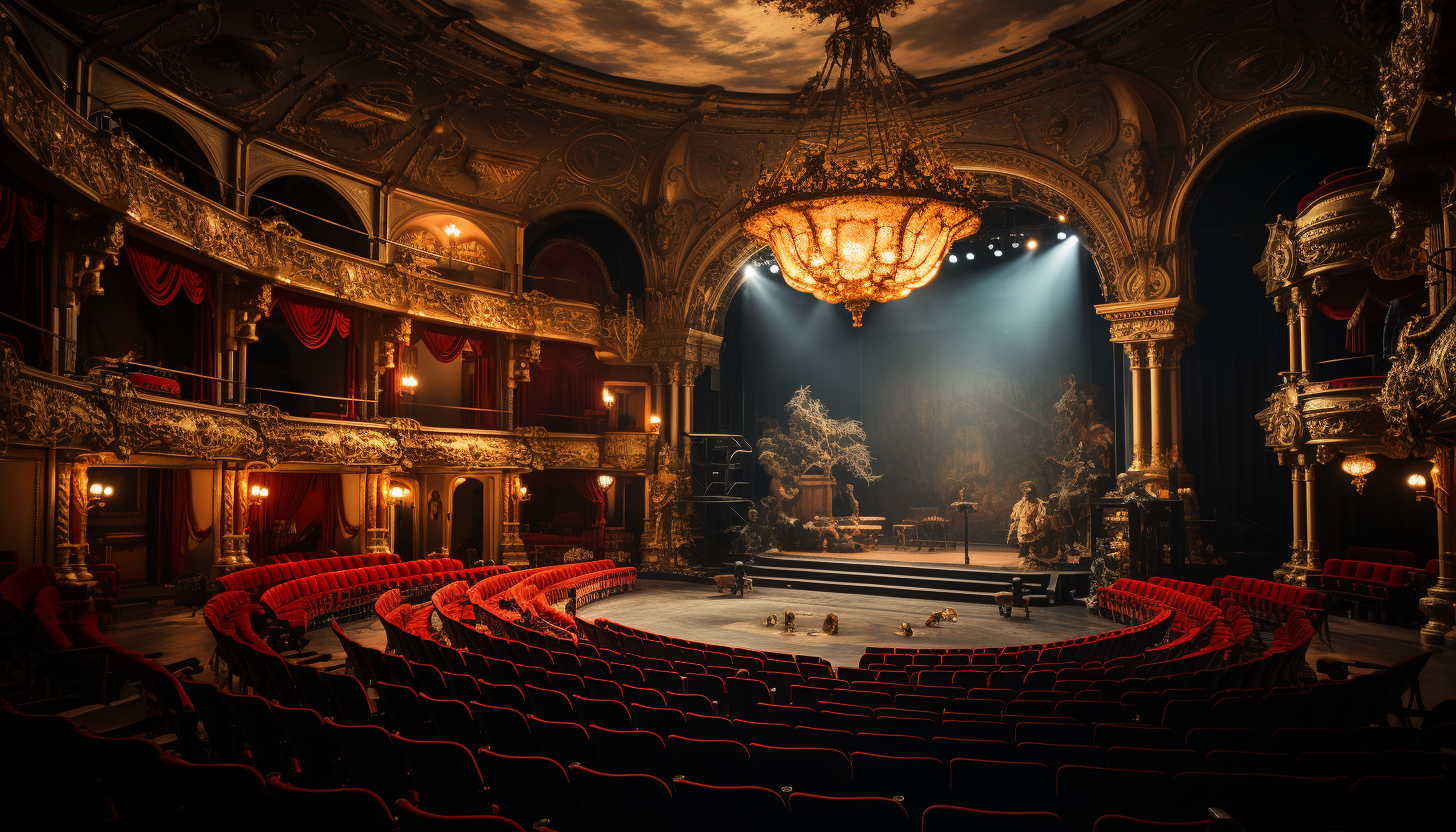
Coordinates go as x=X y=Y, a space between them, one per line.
x=947 y=584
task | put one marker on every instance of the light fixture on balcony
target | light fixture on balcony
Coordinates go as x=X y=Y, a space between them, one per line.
x=452 y=238
x=607 y=398
x=605 y=481
x=409 y=383
x=1358 y=466
x=654 y=423
x=399 y=494
x=257 y=494
x=522 y=494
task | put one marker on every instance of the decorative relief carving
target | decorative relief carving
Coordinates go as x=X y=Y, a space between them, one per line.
x=1283 y=425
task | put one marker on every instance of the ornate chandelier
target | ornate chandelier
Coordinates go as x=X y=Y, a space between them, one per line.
x=863 y=207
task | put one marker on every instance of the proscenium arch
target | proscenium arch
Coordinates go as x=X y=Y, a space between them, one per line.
x=1007 y=173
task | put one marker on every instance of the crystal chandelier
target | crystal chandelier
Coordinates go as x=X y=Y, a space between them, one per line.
x=864 y=207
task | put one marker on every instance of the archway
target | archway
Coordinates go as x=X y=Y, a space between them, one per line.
x=176 y=153
x=598 y=237
x=467 y=520
x=403 y=523
x=317 y=211
x=1240 y=349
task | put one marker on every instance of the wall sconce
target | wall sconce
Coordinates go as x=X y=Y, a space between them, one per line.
x=399 y=495
x=1358 y=466
x=452 y=238
x=607 y=398
x=98 y=494
x=256 y=495
x=409 y=383
x=605 y=481
x=654 y=423
x=522 y=494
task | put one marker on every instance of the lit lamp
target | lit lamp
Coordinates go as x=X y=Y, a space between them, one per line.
x=409 y=383
x=98 y=494
x=398 y=494
x=452 y=237
x=522 y=494
x=1359 y=466
x=654 y=423
x=607 y=398
x=605 y=481
x=1418 y=483
x=256 y=495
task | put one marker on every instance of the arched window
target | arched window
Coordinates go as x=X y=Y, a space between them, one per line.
x=317 y=211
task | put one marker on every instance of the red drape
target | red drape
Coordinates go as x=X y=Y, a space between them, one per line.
x=301 y=499
x=161 y=275
x=1369 y=295
x=22 y=269
x=172 y=526
x=312 y=322
x=447 y=344
x=566 y=384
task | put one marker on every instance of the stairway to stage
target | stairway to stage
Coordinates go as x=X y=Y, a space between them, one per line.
x=947 y=583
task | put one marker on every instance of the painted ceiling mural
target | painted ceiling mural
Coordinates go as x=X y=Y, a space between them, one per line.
x=740 y=46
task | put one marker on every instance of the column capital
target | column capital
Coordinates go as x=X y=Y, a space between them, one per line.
x=1167 y=320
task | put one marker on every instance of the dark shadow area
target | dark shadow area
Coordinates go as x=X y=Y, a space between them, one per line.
x=319 y=213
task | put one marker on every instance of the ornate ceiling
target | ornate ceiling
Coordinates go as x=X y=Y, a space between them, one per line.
x=738 y=45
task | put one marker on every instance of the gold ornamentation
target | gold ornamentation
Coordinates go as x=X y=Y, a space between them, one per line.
x=621 y=333
x=853 y=218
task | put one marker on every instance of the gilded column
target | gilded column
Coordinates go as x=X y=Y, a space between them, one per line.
x=1137 y=362
x=1306 y=364
x=65 y=548
x=1291 y=318
x=1157 y=406
x=222 y=517
x=512 y=548
x=80 y=482
x=656 y=409
x=1297 y=478
x=674 y=389
x=1175 y=411
x=242 y=517
x=1439 y=602
x=228 y=524
x=690 y=377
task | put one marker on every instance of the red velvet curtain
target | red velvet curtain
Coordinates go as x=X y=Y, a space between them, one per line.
x=566 y=384
x=172 y=525
x=389 y=391
x=22 y=269
x=161 y=275
x=447 y=344
x=312 y=322
x=1366 y=294
x=301 y=499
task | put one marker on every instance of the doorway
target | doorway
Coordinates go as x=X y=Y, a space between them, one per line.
x=467 y=521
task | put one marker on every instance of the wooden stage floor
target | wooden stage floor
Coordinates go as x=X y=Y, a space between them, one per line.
x=983 y=556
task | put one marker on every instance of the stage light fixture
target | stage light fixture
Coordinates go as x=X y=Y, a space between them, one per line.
x=952 y=258
x=1031 y=244
x=970 y=256
x=1073 y=238
x=1061 y=217
x=1016 y=245
x=999 y=252
x=1061 y=235
x=991 y=247
x=774 y=268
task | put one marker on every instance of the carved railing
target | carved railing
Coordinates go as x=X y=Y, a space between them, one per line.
x=1333 y=417
x=104 y=413
x=113 y=172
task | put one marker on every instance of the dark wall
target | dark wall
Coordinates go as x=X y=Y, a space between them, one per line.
x=1241 y=345
x=955 y=381
x=276 y=360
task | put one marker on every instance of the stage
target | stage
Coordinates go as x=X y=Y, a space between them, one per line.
x=983 y=556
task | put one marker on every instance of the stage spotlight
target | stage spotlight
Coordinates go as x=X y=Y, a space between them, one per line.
x=970 y=256
x=1031 y=245
x=774 y=268
x=1061 y=235
x=1073 y=238
x=953 y=258
x=991 y=247
x=999 y=252
x=1016 y=245
x=750 y=272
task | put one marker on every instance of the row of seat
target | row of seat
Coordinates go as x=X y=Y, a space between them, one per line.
x=488 y=598
x=1126 y=641
x=257 y=579
x=297 y=603
x=1272 y=597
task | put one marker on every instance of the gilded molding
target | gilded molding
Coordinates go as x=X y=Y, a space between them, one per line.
x=105 y=413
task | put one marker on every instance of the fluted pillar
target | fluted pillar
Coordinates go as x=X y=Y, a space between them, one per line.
x=1311 y=532
x=1296 y=477
x=1137 y=364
